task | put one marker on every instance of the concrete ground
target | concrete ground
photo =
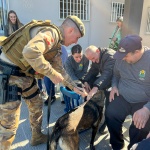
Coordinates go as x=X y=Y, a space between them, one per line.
x=23 y=135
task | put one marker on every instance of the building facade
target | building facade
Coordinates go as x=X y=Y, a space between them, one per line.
x=99 y=16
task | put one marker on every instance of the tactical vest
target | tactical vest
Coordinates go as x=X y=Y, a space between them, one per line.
x=13 y=46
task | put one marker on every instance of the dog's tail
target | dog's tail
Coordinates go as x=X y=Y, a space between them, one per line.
x=58 y=130
x=56 y=134
x=54 y=137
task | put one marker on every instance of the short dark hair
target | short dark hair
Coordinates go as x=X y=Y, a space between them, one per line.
x=76 y=49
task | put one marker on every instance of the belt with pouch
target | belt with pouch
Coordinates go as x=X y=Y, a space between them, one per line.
x=10 y=69
x=9 y=93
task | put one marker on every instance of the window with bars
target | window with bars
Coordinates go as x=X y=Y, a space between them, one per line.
x=79 y=8
x=117 y=10
x=148 y=22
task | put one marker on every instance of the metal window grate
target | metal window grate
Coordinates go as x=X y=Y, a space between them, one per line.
x=117 y=10
x=148 y=21
x=80 y=8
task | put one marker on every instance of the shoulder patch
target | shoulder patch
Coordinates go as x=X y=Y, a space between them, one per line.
x=48 y=40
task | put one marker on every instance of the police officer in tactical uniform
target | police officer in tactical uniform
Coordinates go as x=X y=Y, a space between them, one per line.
x=21 y=63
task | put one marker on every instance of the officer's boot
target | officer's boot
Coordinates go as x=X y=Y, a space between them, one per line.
x=38 y=138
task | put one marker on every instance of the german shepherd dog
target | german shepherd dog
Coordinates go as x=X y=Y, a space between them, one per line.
x=88 y=115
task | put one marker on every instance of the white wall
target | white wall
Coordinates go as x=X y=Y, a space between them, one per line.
x=98 y=29
x=35 y=9
x=143 y=34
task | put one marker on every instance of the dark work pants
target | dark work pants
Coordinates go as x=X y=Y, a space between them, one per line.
x=40 y=84
x=116 y=113
x=49 y=86
x=144 y=145
x=107 y=94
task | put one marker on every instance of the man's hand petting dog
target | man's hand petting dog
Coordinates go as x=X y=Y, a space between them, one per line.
x=87 y=87
x=80 y=91
x=92 y=92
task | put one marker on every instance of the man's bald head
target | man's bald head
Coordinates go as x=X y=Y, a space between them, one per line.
x=90 y=50
x=92 y=53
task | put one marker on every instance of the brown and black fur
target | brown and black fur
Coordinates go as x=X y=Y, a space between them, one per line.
x=88 y=115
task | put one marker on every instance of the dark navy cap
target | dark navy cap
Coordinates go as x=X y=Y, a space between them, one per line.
x=128 y=44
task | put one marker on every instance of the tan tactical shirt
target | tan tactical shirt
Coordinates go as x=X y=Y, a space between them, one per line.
x=38 y=46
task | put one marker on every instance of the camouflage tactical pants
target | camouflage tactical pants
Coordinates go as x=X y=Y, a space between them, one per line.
x=10 y=111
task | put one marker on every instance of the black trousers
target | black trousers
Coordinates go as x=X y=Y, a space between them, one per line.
x=144 y=145
x=116 y=113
